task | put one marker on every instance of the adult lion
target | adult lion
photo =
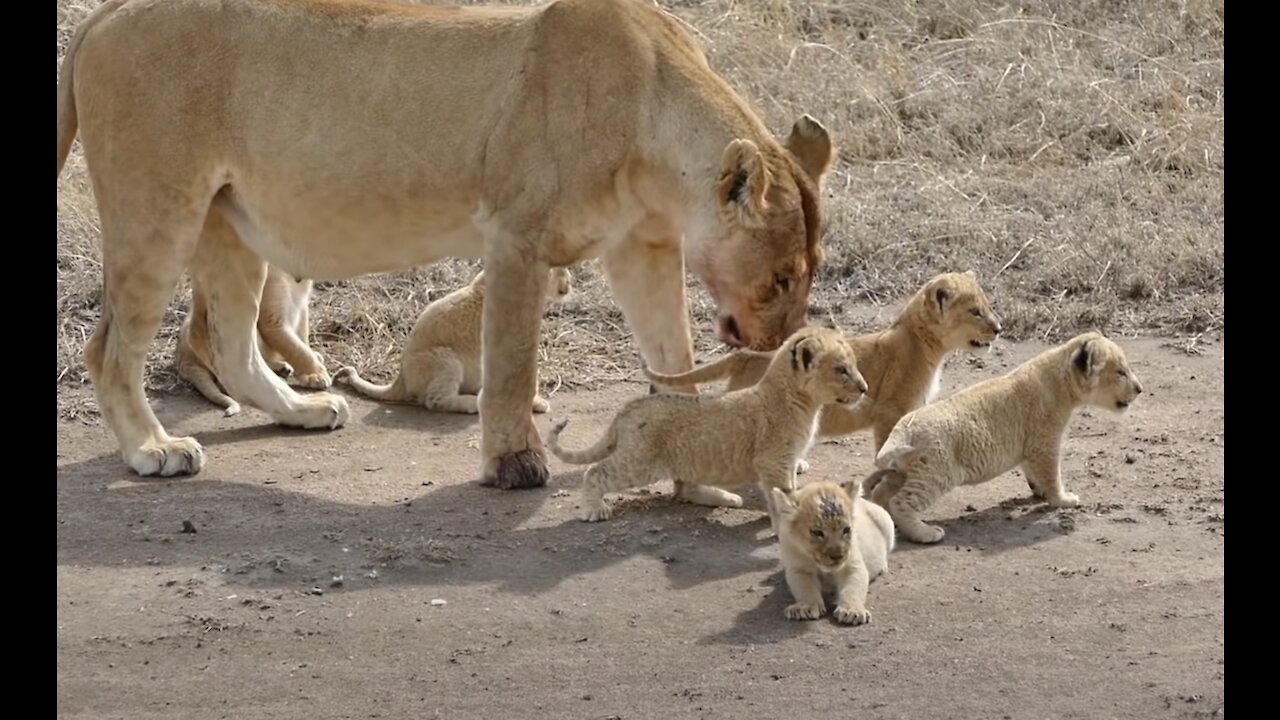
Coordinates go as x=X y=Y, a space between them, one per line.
x=339 y=138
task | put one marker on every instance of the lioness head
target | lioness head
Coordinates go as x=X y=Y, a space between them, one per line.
x=818 y=519
x=760 y=269
x=1102 y=372
x=823 y=364
x=957 y=309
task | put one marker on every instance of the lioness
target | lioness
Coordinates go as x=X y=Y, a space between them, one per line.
x=283 y=328
x=344 y=138
x=440 y=363
x=729 y=440
x=991 y=427
x=902 y=365
x=830 y=535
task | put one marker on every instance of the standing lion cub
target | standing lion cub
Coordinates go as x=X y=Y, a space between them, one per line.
x=991 y=427
x=831 y=536
x=283 y=327
x=902 y=364
x=440 y=364
x=740 y=437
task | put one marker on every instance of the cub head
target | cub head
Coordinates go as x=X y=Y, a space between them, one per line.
x=1102 y=373
x=821 y=362
x=559 y=285
x=818 y=519
x=759 y=265
x=956 y=309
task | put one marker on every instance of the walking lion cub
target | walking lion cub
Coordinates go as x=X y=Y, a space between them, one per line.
x=441 y=362
x=749 y=435
x=991 y=427
x=831 y=536
x=902 y=364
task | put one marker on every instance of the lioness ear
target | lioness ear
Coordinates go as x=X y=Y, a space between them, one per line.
x=744 y=180
x=810 y=144
x=1084 y=359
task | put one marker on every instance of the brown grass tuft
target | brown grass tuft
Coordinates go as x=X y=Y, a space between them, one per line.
x=1072 y=153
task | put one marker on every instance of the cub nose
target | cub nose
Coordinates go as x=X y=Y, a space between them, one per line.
x=997 y=328
x=836 y=555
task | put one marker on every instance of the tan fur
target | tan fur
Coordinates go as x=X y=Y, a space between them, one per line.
x=282 y=333
x=902 y=364
x=989 y=428
x=829 y=535
x=440 y=364
x=346 y=137
x=745 y=436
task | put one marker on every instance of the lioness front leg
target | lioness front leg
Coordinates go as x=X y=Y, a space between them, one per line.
x=806 y=589
x=513 y=454
x=851 y=593
x=231 y=276
x=1042 y=470
x=646 y=278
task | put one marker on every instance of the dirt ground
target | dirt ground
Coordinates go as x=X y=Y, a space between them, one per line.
x=364 y=574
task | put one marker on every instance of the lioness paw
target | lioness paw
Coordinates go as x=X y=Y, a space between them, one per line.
x=324 y=411
x=804 y=611
x=1065 y=500
x=923 y=534
x=176 y=456
x=849 y=615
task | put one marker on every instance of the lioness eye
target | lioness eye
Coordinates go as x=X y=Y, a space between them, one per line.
x=816 y=533
x=847 y=530
x=783 y=283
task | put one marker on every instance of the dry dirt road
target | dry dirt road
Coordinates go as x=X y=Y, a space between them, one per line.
x=362 y=574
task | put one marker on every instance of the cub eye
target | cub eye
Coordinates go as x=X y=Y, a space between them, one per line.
x=783 y=283
x=975 y=312
x=817 y=533
x=847 y=531
x=842 y=371
x=1122 y=373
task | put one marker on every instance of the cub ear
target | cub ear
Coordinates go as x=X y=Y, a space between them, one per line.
x=853 y=487
x=810 y=144
x=1083 y=359
x=803 y=355
x=971 y=274
x=744 y=181
x=783 y=502
x=942 y=296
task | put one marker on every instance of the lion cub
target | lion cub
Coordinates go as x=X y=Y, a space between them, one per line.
x=284 y=319
x=991 y=427
x=440 y=364
x=902 y=365
x=743 y=436
x=831 y=536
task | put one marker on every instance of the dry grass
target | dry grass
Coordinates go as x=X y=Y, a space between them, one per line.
x=1071 y=152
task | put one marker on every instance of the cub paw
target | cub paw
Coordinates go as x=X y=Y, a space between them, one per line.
x=540 y=404
x=804 y=611
x=852 y=616
x=802 y=466
x=1065 y=500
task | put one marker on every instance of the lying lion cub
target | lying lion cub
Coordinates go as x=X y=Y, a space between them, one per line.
x=996 y=425
x=902 y=365
x=747 y=435
x=831 y=535
x=284 y=319
x=440 y=364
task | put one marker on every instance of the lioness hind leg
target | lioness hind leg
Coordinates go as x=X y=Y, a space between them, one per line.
x=441 y=391
x=144 y=250
x=917 y=494
x=231 y=276
x=707 y=495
